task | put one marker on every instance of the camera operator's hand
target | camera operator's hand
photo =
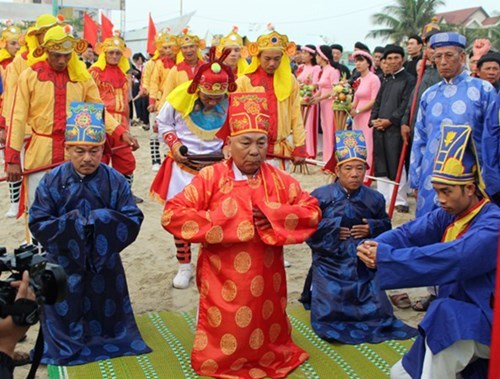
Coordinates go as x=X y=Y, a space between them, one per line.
x=11 y=333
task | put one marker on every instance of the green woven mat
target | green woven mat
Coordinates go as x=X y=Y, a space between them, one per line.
x=170 y=335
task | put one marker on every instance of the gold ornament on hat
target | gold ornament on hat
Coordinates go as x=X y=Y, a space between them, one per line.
x=59 y=40
x=165 y=38
x=273 y=40
x=113 y=43
x=186 y=39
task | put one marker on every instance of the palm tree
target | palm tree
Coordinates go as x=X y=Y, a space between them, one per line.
x=404 y=18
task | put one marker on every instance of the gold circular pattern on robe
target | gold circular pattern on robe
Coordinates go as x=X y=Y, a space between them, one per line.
x=293 y=191
x=284 y=303
x=242 y=262
x=303 y=357
x=273 y=205
x=209 y=367
x=229 y=207
x=284 y=370
x=268 y=258
x=207 y=172
x=256 y=339
x=257 y=286
x=228 y=344
x=267 y=309
x=268 y=236
x=267 y=359
x=314 y=218
x=238 y=364
x=245 y=231
x=189 y=229
x=200 y=340
x=257 y=373
x=204 y=288
x=215 y=262
x=254 y=182
x=167 y=217
x=229 y=291
x=291 y=221
x=290 y=240
x=214 y=317
x=191 y=193
x=277 y=281
x=274 y=332
x=215 y=235
x=225 y=186
x=243 y=316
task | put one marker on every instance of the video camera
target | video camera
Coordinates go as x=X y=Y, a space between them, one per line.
x=48 y=281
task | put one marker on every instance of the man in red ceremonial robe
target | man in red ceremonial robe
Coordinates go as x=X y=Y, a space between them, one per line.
x=243 y=211
x=110 y=75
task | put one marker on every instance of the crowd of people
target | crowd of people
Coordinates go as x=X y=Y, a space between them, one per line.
x=226 y=123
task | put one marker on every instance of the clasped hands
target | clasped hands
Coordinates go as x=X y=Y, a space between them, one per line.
x=381 y=124
x=357 y=231
x=367 y=253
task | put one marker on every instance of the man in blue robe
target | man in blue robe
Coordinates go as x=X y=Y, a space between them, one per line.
x=458 y=99
x=84 y=215
x=346 y=303
x=453 y=247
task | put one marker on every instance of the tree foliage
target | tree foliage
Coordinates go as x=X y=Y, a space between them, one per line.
x=404 y=18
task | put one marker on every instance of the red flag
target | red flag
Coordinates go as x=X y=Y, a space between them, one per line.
x=90 y=30
x=106 y=27
x=151 y=36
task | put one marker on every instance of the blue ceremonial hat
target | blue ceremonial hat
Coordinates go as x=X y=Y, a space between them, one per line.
x=85 y=124
x=447 y=39
x=456 y=160
x=350 y=145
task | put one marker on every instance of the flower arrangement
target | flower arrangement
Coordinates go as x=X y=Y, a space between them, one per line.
x=342 y=96
x=306 y=91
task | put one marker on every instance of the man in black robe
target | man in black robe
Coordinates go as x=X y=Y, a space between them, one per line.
x=385 y=119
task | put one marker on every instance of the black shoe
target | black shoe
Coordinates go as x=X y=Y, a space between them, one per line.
x=403 y=208
x=137 y=199
x=145 y=127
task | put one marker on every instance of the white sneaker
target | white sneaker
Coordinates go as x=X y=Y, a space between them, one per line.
x=183 y=277
x=286 y=263
x=156 y=167
x=12 y=212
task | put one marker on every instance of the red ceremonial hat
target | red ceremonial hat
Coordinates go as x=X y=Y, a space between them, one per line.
x=248 y=112
x=214 y=77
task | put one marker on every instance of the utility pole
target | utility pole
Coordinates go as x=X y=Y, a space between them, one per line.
x=181 y=7
x=55 y=7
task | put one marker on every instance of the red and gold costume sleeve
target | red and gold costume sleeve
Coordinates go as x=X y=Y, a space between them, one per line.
x=194 y=216
x=113 y=91
x=41 y=101
x=158 y=79
x=212 y=210
x=292 y=221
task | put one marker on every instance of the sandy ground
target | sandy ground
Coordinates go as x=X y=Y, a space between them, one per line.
x=150 y=262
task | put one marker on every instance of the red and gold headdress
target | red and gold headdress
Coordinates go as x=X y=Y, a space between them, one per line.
x=165 y=38
x=59 y=39
x=214 y=77
x=113 y=43
x=186 y=39
x=248 y=112
x=10 y=33
x=44 y=22
x=273 y=40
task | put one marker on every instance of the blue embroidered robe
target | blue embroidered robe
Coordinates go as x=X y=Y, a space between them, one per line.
x=84 y=223
x=463 y=101
x=346 y=304
x=464 y=269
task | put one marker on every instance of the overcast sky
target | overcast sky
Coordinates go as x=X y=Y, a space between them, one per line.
x=308 y=21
